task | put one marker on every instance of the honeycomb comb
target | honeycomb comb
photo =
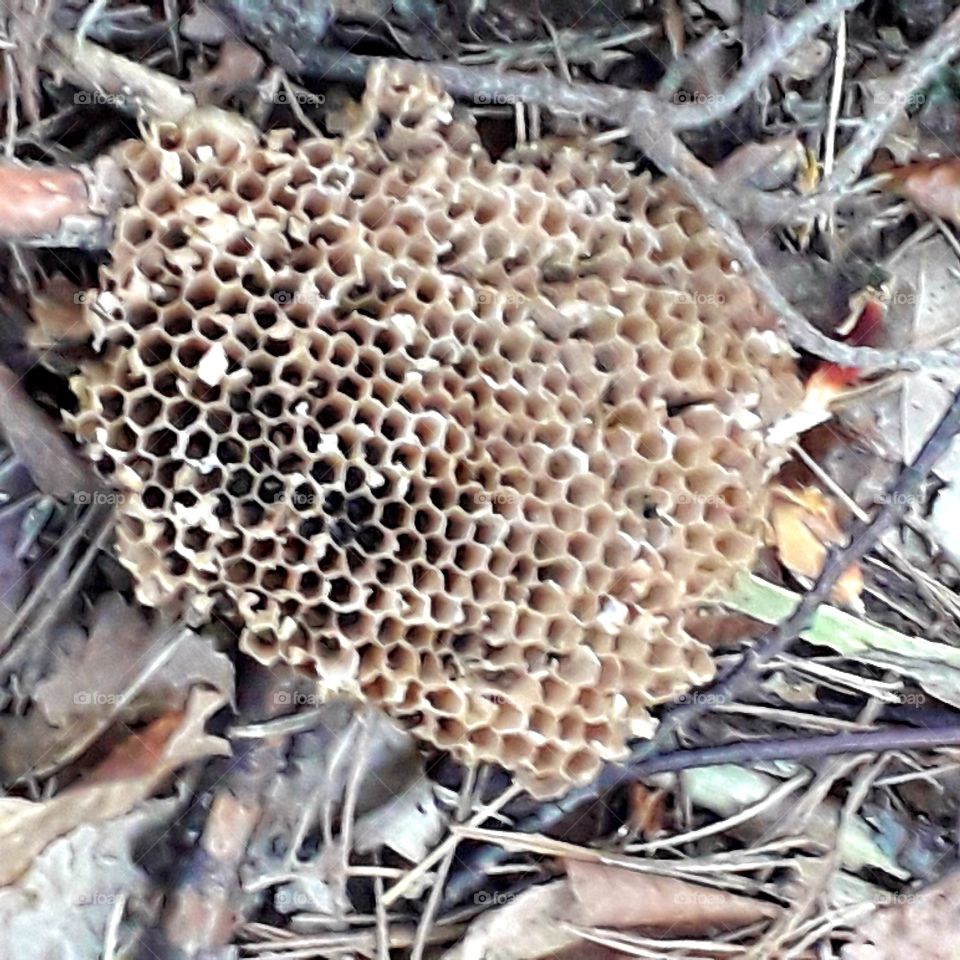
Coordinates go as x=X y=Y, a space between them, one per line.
x=467 y=438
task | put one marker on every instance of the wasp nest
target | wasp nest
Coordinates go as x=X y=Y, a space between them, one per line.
x=468 y=438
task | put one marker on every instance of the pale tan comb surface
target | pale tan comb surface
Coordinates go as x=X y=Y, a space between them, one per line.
x=467 y=438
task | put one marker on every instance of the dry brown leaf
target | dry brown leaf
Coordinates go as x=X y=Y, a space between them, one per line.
x=803 y=522
x=539 y=922
x=59 y=318
x=38 y=443
x=527 y=926
x=917 y=926
x=61 y=906
x=647 y=810
x=127 y=668
x=130 y=774
x=608 y=896
x=933 y=185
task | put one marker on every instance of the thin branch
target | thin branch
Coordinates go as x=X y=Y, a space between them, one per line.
x=862 y=539
x=44 y=205
x=677 y=162
x=118 y=80
x=478 y=862
x=641 y=112
x=915 y=74
x=789 y=37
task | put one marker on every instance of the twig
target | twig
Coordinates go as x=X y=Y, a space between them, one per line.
x=641 y=112
x=450 y=843
x=132 y=86
x=44 y=205
x=861 y=786
x=472 y=878
x=206 y=902
x=915 y=73
x=836 y=95
x=788 y=38
x=668 y=153
x=862 y=539
x=770 y=802
x=117 y=79
x=49 y=589
x=691 y=58
x=648 y=757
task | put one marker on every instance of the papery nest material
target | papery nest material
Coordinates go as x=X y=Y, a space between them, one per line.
x=467 y=438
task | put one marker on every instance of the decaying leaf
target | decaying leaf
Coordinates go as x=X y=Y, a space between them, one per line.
x=409 y=822
x=608 y=896
x=59 y=909
x=543 y=921
x=803 y=523
x=933 y=185
x=128 y=775
x=921 y=926
x=125 y=666
x=527 y=926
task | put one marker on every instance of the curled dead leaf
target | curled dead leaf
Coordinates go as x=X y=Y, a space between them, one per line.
x=609 y=896
x=933 y=185
x=546 y=920
x=129 y=667
x=130 y=774
x=921 y=926
x=803 y=523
